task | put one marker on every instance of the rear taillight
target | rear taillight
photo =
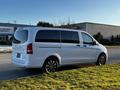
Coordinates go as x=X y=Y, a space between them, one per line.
x=29 y=49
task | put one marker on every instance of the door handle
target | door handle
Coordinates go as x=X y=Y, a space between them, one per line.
x=78 y=45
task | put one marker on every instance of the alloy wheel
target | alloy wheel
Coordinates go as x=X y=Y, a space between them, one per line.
x=51 y=66
x=102 y=59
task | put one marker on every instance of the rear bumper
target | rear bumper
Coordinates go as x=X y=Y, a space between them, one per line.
x=24 y=63
x=26 y=60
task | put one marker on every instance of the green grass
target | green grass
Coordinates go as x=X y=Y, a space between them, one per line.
x=105 y=77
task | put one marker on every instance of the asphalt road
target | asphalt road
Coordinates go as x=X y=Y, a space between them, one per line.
x=9 y=71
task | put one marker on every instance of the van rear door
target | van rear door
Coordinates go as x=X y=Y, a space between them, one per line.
x=19 y=45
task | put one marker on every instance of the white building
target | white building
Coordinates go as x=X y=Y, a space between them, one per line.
x=93 y=28
x=6 y=33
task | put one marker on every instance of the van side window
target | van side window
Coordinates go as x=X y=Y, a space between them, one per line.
x=48 y=36
x=69 y=37
x=86 y=38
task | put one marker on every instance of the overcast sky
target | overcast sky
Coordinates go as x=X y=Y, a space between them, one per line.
x=59 y=11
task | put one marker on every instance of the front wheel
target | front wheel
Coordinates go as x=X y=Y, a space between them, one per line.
x=101 y=60
x=51 y=65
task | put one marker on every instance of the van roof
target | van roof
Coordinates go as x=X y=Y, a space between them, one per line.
x=36 y=28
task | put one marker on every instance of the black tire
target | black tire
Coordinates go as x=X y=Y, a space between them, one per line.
x=50 y=65
x=101 y=60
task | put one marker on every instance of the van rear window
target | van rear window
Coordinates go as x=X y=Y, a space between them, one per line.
x=20 y=36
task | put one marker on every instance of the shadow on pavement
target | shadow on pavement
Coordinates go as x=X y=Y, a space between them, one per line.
x=21 y=72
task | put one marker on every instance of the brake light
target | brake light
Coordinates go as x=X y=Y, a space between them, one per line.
x=29 y=49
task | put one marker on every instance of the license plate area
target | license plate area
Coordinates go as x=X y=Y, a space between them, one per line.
x=18 y=55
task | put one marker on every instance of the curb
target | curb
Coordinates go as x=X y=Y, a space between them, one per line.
x=5 y=49
x=112 y=46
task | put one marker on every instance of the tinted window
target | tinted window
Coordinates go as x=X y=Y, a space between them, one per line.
x=87 y=39
x=69 y=37
x=48 y=36
x=20 y=36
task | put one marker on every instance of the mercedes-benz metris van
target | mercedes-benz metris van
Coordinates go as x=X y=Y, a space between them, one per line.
x=49 y=48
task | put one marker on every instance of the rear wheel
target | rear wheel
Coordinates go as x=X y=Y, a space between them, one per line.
x=51 y=65
x=101 y=60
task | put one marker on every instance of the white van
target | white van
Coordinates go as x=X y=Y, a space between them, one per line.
x=49 y=48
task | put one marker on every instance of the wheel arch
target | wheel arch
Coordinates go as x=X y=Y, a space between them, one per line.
x=100 y=55
x=58 y=58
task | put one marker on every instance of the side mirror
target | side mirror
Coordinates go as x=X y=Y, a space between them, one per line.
x=94 y=43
